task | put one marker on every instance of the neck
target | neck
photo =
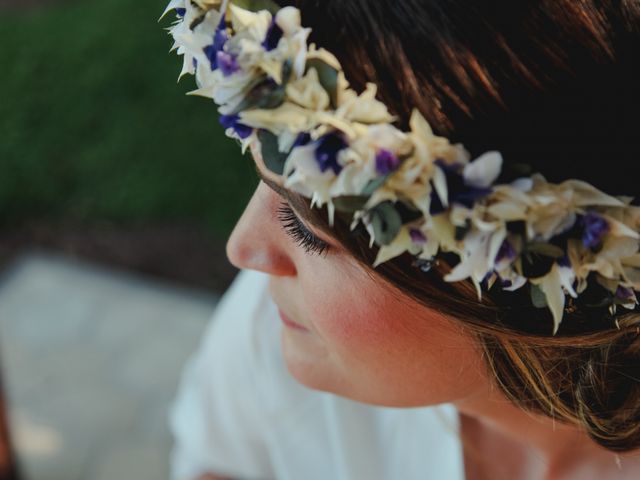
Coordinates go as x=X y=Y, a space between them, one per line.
x=558 y=446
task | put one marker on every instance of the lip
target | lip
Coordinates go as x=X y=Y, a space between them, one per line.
x=290 y=323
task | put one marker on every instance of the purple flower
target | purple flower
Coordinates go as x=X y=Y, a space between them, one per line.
x=219 y=40
x=181 y=11
x=459 y=191
x=274 y=34
x=624 y=293
x=232 y=121
x=506 y=252
x=227 y=63
x=386 y=161
x=417 y=236
x=301 y=140
x=594 y=229
x=327 y=149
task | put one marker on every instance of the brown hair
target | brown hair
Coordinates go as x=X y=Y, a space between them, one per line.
x=551 y=84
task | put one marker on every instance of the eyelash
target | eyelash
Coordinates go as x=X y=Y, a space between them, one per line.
x=298 y=232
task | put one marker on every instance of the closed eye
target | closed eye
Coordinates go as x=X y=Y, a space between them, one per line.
x=299 y=232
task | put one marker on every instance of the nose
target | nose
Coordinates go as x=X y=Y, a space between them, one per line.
x=258 y=241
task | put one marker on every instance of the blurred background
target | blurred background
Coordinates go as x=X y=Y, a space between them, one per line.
x=117 y=193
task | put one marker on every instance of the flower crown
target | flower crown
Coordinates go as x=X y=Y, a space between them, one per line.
x=413 y=191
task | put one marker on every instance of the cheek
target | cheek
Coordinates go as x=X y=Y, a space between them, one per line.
x=386 y=350
x=337 y=303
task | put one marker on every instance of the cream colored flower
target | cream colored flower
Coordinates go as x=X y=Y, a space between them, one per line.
x=288 y=117
x=303 y=175
x=555 y=285
x=363 y=108
x=479 y=252
x=208 y=4
x=379 y=163
x=307 y=92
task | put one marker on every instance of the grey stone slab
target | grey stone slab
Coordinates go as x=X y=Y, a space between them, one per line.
x=91 y=359
x=135 y=459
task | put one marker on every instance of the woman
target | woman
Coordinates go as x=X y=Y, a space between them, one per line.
x=497 y=302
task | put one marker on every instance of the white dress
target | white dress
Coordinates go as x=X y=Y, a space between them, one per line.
x=239 y=413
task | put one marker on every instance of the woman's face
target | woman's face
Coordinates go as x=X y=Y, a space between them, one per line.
x=344 y=331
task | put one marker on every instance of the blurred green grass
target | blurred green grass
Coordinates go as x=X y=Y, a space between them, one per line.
x=94 y=128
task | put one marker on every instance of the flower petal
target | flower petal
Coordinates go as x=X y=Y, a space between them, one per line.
x=551 y=286
x=400 y=244
x=484 y=170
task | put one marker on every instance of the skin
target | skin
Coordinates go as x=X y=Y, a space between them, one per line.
x=377 y=348
x=347 y=332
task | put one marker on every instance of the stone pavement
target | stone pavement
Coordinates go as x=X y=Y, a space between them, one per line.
x=91 y=359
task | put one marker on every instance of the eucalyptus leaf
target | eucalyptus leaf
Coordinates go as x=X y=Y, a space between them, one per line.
x=257 y=5
x=349 y=203
x=328 y=78
x=546 y=249
x=374 y=185
x=273 y=158
x=265 y=95
x=386 y=223
x=538 y=298
x=287 y=68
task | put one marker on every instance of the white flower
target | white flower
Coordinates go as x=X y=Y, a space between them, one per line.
x=380 y=163
x=363 y=108
x=303 y=175
x=208 y=4
x=551 y=286
x=288 y=19
x=401 y=244
x=478 y=256
x=189 y=43
x=484 y=170
x=173 y=5
x=251 y=25
x=307 y=92
x=288 y=117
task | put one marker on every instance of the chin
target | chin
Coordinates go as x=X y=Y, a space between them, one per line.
x=309 y=365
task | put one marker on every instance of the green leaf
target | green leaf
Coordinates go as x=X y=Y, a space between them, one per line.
x=350 y=203
x=328 y=78
x=538 y=298
x=257 y=5
x=287 y=68
x=273 y=158
x=266 y=94
x=373 y=185
x=546 y=249
x=386 y=223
